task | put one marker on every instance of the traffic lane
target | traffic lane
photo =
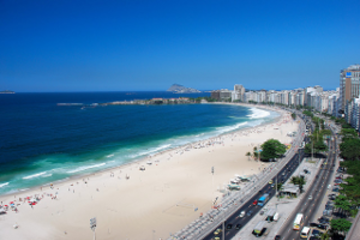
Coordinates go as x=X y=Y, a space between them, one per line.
x=307 y=212
x=247 y=205
x=255 y=209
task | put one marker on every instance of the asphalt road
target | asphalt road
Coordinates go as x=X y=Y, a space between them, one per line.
x=307 y=206
x=234 y=219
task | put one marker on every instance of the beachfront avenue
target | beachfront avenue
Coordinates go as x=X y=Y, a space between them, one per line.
x=236 y=202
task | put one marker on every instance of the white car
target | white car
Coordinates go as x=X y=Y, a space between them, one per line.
x=242 y=214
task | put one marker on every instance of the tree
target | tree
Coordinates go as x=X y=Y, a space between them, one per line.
x=272 y=148
x=340 y=225
x=325 y=236
x=293 y=115
x=341 y=202
x=350 y=149
x=299 y=181
x=349 y=133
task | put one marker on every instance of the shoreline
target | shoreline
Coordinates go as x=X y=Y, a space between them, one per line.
x=177 y=181
x=137 y=161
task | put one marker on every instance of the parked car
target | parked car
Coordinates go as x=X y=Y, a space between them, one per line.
x=322 y=227
x=249 y=213
x=255 y=202
x=313 y=224
x=338 y=181
x=242 y=214
x=277 y=237
x=238 y=226
x=335 y=189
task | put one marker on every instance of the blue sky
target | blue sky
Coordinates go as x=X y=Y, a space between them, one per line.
x=129 y=45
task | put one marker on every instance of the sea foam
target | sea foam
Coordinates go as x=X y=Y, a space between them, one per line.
x=34 y=175
x=258 y=113
x=4 y=184
x=80 y=169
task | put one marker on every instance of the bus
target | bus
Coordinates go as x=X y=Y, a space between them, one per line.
x=263 y=199
x=298 y=220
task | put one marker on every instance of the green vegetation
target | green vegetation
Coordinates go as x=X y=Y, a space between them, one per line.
x=293 y=115
x=271 y=149
x=248 y=154
x=308 y=113
x=340 y=225
x=299 y=181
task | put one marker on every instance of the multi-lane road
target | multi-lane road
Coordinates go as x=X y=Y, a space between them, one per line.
x=317 y=190
x=235 y=219
x=306 y=206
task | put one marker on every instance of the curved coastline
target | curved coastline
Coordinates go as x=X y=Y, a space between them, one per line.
x=176 y=176
x=141 y=156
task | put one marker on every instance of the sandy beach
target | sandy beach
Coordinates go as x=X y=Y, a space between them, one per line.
x=130 y=203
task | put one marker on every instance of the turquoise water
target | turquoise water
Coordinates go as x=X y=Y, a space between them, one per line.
x=43 y=142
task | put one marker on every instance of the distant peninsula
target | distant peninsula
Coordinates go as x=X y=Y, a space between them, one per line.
x=176 y=88
x=7 y=92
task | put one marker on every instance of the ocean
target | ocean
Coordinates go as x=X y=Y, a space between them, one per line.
x=41 y=142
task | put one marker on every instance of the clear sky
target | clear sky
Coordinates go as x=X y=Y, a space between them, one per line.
x=128 y=45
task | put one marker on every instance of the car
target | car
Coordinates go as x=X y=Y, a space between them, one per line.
x=217 y=231
x=338 y=181
x=229 y=226
x=329 y=207
x=277 y=237
x=322 y=226
x=249 y=213
x=337 y=184
x=315 y=233
x=329 y=186
x=271 y=181
x=242 y=214
x=238 y=226
x=313 y=224
x=310 y=197
x=255 y=202
x=273 y=185
x=284 y=173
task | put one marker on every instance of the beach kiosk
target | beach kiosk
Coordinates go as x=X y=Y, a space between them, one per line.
x=259 y=229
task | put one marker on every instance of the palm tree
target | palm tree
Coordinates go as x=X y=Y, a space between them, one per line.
x=248 y=154
x=255 y=153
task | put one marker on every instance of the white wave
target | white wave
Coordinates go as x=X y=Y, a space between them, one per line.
x=231 y=128
x=150 y=151
x=258 y=113
x=34 y=175
x=111 y=155
x=47 y=175
x=4 y=184
x=79 y=169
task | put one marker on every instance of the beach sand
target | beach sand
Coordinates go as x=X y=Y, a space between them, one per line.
x=153 y=202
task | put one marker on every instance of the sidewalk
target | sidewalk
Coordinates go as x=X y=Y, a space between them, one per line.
x=283 y=206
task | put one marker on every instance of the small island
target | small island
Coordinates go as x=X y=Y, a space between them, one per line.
x=176 y=88
x=7 y=92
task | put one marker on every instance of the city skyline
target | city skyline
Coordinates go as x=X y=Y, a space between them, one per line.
x=139 y=46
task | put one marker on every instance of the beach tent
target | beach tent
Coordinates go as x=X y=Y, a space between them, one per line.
x=2 y=211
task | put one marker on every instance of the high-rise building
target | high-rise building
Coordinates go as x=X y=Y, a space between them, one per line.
x=238 y=93
x=349 y=84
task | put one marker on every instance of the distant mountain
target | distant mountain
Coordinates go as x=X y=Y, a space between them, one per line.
x=176 y=88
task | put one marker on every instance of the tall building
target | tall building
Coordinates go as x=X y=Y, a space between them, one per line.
x=238 y=93
x=349 y=84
